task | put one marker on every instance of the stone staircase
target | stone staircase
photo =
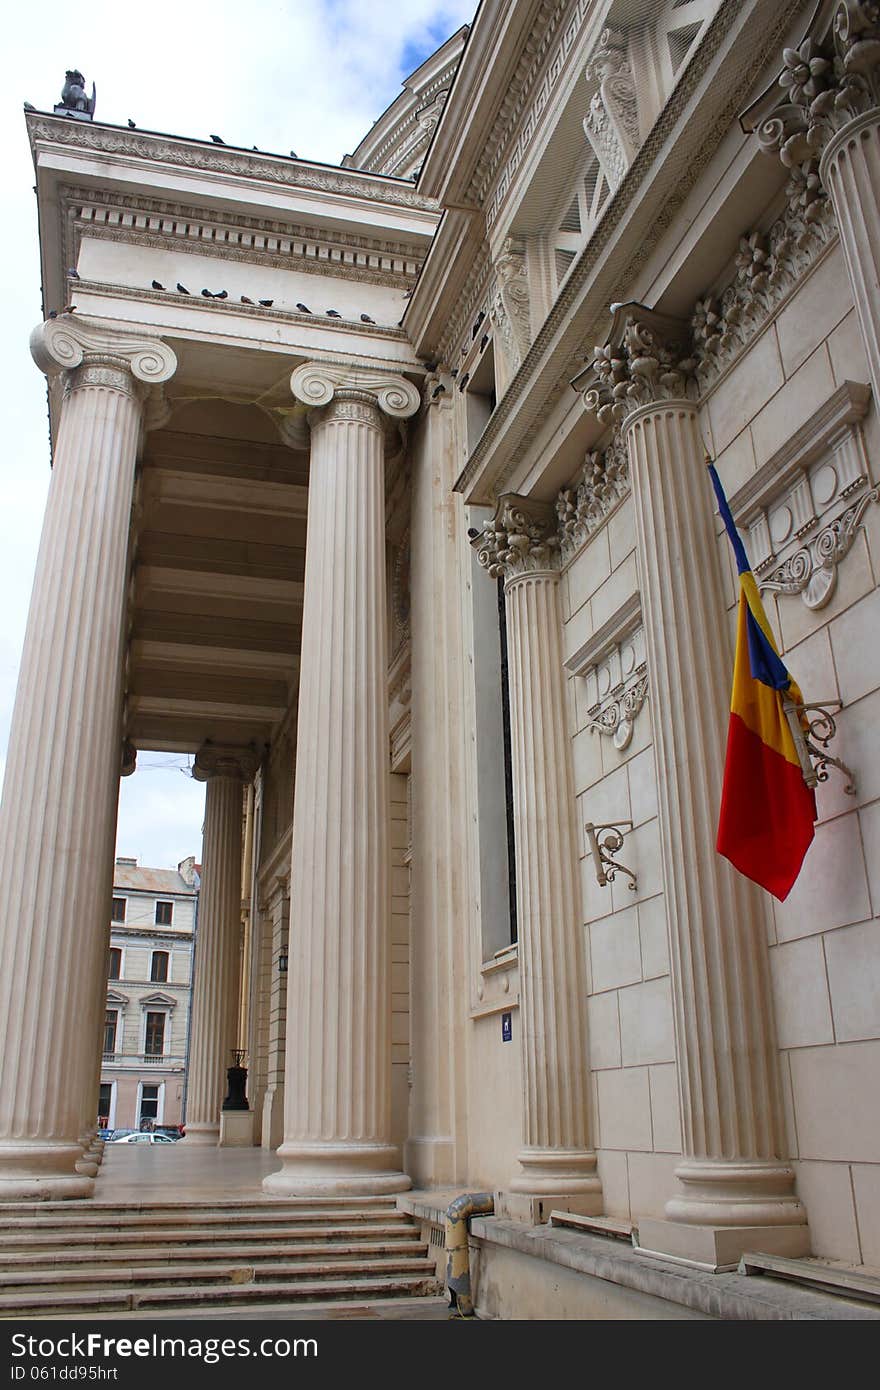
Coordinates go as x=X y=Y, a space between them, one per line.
x=62 y=1259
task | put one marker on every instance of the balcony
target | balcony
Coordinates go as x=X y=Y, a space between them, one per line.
x=171 y=1061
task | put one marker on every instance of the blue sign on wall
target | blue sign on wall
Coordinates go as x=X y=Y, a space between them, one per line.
x=506 y=1027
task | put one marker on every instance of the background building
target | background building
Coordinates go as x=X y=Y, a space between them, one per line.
x=149 y=979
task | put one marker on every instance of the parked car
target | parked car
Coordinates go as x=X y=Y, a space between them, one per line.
x=120 y=1134
x=171 y=1132
x=143 y=1138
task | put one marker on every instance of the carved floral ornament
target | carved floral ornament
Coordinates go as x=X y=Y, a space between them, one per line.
x=832 y=76
x=519 y=539
x=647 y=358
x=602 y=482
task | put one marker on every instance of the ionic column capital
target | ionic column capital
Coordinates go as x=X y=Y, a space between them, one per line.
x=98 y=356
x=520 y=539
x=647 y=360
x=224 y=760
x=347 y=388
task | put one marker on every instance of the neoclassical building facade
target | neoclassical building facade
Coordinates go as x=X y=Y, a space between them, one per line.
x=381 y=489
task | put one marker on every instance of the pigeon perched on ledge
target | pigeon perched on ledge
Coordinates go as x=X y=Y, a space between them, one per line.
x=267 y=303
x=217 y=140
x=304 y=308
x=365 y=318
x=182 y=288
x=154 y=284
x=333 y=314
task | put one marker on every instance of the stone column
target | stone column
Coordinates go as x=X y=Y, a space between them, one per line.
x=62 y=774
x=337 y=1102
x=558 y=1167
x=736 y=1187
x=216 y=968
x=825 y=107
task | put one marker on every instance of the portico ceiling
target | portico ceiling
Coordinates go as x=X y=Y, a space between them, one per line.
x=216 y=598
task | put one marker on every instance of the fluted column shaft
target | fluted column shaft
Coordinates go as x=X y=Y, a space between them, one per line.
x=556 y=1157
x=337 y=1106
x=216 y=974
x=850 y=169
x=733 y=1171
x=61 y=789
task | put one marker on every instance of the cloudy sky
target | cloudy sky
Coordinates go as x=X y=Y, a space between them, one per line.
x=308 y=75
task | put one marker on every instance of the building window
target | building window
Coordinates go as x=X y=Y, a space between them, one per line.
x=159 y=966
x=117 y=912
x=154 y=1038
x=105 y=1104
x=111 y=1021
x=115 y=970
x=149 y=1106
x=163 y=914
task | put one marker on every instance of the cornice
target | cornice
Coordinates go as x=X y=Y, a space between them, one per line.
x=183 y=153
x=495 y=63
x=611 y=260
x=255 y=240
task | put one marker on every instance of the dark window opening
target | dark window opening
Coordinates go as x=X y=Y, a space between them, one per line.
x=111 y=1019
x=117 y=911
x=159 y=966
x=115 y=970
x=154 y=1042
x=163 y=914
x=508 y=761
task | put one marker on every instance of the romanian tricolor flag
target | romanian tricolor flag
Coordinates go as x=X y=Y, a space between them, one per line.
x=767 y=811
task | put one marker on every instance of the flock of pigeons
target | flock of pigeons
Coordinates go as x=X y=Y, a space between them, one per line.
x=264 y=303
x=73 y=274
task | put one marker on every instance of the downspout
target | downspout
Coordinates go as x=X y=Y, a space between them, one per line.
x=458 y=1270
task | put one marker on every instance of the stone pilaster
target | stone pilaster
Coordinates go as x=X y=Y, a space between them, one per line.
x=736 y=1188
x=557 y=1165
x=216 y=968
x=62 y=776
x=436 y=1141
x=337 y=1106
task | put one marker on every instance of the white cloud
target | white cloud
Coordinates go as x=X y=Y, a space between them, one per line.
x=308 y=76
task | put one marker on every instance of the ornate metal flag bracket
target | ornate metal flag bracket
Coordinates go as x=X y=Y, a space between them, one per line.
x=812 y=735
x=602 y=850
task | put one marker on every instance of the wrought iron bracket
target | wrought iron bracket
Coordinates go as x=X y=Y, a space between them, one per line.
x=813 y=727
x=602 y=850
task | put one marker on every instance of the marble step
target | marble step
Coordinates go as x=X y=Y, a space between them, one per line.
x=222 y=1205
x=306 y=1271
x=403 y=1243
x=97 y=1239
x=92 y=1218
x=224 y=1298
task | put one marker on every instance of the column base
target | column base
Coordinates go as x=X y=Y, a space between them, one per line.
x=88 y=1165
x=236 y=1129
x=552 y=1180
x=273 y=1118
x=42 y=1172
x=430 y=1162
x=201 y=1134
x=718 y=1248
x=336 y=1170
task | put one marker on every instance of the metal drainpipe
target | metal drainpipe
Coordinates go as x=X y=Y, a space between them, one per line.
x=458 y=1270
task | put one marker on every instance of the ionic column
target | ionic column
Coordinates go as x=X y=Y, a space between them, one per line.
x=216 y=968
x=62 y=776
x=736 y=1187
x=337 y=1100
x=557 y=1164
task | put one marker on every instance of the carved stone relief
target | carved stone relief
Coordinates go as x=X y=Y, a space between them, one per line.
x=509 y=302
x=612 y=122
x=600 y=485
